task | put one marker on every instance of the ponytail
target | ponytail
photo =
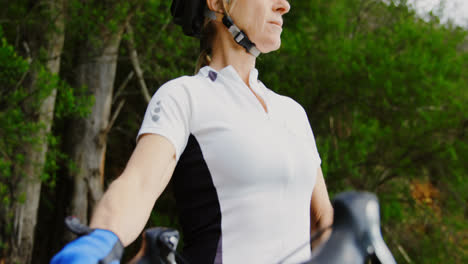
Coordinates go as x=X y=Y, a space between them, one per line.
x=206 y=44
x=204 y=59
x=206 y=39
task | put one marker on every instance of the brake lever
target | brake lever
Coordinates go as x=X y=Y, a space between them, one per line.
x=376 y=246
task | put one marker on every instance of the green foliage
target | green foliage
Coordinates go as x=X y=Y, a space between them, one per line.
x=53 y=159
x=72 y=102
x=12 y=126
x=12 y=69
x=88 y=19
x=168 y=53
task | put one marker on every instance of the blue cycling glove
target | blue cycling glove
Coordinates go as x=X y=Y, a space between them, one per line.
x=100 y=246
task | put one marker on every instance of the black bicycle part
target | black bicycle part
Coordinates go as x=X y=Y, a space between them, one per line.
x=76 y=227
x=161 y=244
x=356 y=236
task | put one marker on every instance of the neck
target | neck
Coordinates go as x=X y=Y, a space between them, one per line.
x=226 y=52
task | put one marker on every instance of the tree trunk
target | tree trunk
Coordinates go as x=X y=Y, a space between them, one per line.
x=89 y=135
x=30 y=185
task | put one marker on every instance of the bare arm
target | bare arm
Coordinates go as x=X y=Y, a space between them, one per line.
x=321 y=210
x=126 y=205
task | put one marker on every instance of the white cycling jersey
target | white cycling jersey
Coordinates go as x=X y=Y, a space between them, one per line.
x=244 y=177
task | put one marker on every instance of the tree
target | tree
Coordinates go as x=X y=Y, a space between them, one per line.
x=100 y=26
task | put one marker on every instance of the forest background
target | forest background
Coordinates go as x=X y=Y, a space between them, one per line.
x=385 y=92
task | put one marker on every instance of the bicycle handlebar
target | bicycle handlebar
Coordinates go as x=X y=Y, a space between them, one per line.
x=355 y=236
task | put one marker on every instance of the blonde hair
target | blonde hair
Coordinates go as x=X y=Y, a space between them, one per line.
x=207 y=36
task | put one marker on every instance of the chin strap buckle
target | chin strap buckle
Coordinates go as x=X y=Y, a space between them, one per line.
x=240 y=37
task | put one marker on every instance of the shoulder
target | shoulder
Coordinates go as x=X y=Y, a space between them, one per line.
x=178 y=85
x=184 y=94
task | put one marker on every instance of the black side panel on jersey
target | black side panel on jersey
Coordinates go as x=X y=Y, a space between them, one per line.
x=198 y=205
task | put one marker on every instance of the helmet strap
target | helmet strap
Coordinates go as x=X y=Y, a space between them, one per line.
x=239 y=36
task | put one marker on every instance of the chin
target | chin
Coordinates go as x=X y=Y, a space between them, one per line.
x=269 y=45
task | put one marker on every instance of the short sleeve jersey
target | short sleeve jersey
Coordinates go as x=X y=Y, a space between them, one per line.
x=244 y=176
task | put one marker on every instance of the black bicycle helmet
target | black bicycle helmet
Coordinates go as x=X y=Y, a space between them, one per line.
x=189 y=14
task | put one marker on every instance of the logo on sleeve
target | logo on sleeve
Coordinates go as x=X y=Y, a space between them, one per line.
x=155 y=112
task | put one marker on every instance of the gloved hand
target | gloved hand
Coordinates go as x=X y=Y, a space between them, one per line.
x=100 y=246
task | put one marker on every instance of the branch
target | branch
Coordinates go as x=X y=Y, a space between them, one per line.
x=28 y=52
x=161 y=31
x=400 y=248
x=5 y=154
x=385 y=177
x=168 y=21
x=413 y=157
x=454 y=194
x=136 y=63
x=464 y=127
x=122 y=86
x=403 y=253
x=116 y=113
x=114 y=117
x=29 y=60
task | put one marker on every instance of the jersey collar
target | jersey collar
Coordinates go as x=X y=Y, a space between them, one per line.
x=230 y=74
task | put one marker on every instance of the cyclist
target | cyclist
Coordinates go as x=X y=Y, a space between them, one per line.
x=243 y=159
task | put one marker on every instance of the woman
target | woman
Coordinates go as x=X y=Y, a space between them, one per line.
x=243 y=159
